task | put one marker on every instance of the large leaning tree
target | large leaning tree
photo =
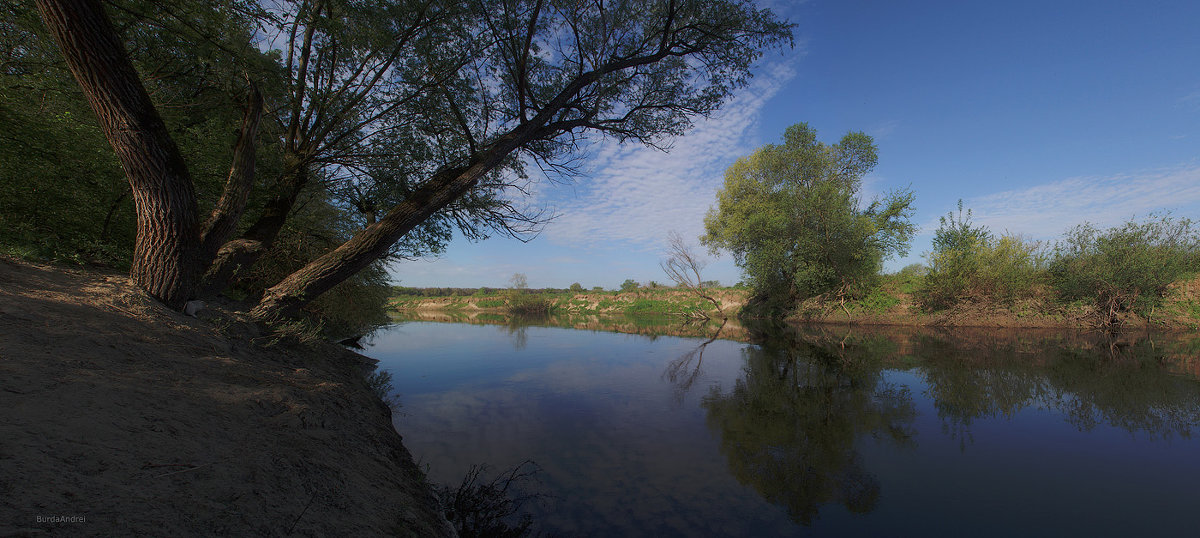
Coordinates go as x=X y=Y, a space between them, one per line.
x=418 y=115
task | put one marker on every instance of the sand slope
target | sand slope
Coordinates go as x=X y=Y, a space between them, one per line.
x=120 y=417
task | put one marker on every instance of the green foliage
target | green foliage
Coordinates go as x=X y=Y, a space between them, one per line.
x=352 y=308
x=392 y=94
x=63 y=195
x=1125 y=268
x=665 y=306
x=630 y=285
x=791 y=216
x=969 y=263
x=877 y=301
x=576 y=288
x=910 y=278
x=529 y=305
x=497 y=303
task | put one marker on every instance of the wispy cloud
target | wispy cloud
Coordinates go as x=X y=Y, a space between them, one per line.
x=1191 y=100
x=637 y=194
x=1045 y=211
x=883 y=129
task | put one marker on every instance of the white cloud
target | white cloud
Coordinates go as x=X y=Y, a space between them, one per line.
x=1191 y=100
x=1045 y=211
x=637 y=194
x=883 y=129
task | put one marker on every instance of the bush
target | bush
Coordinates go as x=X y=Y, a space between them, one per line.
x=1126 y=268
x=968 y=263
x=576 y=287
x=629 y=285
x=525 y=304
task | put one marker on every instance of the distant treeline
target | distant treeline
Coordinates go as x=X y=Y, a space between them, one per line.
x=468 y=292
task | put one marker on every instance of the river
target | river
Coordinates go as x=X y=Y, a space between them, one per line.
x=734 y=431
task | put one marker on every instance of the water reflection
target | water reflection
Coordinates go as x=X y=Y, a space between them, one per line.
x=517 y=330
x=846 y=431
x=683 y=372
x=806 y=398
x=790 y=424
x=651 y=326
x=1129 y=384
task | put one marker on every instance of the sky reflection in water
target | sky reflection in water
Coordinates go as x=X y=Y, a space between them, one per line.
x=809 y=433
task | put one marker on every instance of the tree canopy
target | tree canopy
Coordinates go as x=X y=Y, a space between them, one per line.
x=792 y=217
x=412 y=117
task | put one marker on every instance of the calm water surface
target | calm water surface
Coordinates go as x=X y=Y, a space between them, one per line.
x=810 y=433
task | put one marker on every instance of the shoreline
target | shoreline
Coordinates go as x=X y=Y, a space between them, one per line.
x=1180 y=310
x=126 y=418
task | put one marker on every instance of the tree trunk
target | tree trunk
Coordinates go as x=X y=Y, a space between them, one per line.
x=373 y=243
x=167 y=248
x=225 y=215
x=247 y=249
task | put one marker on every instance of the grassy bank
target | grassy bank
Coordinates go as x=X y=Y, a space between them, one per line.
x=899 y=300
x=642 y=301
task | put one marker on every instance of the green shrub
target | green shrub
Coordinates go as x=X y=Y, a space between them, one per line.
x=878 y=301
x=1126 y=268
x=969 y=263
x=524 y=304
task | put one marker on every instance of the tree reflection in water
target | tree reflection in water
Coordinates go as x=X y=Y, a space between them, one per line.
x=789 y=425
x=684 y=371
x=1091 y=381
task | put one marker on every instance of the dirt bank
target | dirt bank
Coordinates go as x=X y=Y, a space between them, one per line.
x=120 y=418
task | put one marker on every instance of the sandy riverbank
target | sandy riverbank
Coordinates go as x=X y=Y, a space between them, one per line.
x=119 y=417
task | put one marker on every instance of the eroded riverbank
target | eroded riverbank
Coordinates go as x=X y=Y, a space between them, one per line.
x=120 y=418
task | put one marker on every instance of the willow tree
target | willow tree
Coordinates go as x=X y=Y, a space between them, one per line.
x=440 y=106
x=793 y=217
x=173 y=243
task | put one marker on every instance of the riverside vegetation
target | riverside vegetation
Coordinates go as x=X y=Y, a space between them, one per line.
x=793 y=218
x=649 y=299
x=1140 y=274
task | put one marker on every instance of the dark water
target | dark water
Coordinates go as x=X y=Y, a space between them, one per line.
x=804 y=432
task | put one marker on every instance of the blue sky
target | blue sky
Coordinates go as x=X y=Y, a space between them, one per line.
x=1039 y=115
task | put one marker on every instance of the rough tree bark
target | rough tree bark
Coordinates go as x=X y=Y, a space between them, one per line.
x=225 y=215
x=171 y=250
x=167 y=248
x=247 y=249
